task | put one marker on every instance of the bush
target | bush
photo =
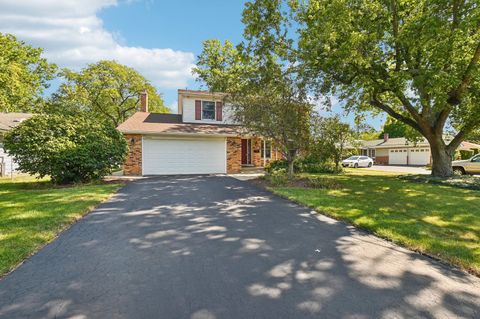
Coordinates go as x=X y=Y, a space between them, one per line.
x=277 y=177
x=305 y=165
x=68 y=149
x=322 y=183
x=465 y=154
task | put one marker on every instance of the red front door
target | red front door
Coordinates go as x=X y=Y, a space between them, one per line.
x=246 y=151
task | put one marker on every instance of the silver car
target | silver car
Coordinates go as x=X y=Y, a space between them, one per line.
x=470 y=166
x=357 y=161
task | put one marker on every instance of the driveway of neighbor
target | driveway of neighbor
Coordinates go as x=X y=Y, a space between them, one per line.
x=215 y=247
x=400 y=169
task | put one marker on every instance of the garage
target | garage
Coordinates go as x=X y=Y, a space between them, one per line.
x=170 y=156
x=398 y=157
x=419 y=156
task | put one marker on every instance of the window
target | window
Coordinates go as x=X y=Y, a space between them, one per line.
x=267 y=149
x=476 y=159
x=208 y=110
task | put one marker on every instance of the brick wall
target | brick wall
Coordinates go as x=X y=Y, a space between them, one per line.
x=234 y=155
x=257 y=152
x=382 y=160
x=133 y=161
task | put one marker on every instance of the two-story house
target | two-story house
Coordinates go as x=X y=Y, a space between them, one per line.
x=201 y=139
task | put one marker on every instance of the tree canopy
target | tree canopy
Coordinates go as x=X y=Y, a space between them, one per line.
x=417 y=61
x=24 y=74
x=69 y=149
x=105 y=90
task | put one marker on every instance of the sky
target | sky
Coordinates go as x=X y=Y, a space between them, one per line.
x=159 y=38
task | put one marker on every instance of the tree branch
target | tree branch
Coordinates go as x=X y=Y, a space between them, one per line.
x=455 y=97
x=390 y=111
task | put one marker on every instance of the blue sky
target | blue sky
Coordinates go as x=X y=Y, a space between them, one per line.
x=159 y=38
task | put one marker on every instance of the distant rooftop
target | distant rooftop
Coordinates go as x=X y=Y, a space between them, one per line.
x=10 y=120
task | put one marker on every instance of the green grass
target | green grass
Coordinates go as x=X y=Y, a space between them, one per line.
x=33 y=212
x=441 y=221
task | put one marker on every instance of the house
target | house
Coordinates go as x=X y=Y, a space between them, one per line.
x=7 y=122
x=202 y=138
x=400 y=151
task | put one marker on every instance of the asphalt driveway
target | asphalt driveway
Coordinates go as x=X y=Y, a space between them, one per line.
x=205 y=247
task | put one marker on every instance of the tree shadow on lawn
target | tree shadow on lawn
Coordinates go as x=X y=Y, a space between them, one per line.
x=429 y=218
x=214 y=247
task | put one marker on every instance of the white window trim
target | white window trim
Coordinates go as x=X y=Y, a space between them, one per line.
x=214 y=111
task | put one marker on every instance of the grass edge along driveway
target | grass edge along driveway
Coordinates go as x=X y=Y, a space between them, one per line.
x=440 y=221
x=33 y=212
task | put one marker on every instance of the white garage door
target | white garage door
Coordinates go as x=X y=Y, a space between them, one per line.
x=184 y=156
x=397 y=157
x=419 y=156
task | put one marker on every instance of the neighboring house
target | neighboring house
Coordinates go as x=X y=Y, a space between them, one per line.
x=7 y=122
x=201 y=139
x=400 y=151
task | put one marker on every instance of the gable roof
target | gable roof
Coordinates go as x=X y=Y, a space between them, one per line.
x=403 y=142
x=10 y=120
x=171 y=124
x=393 y=142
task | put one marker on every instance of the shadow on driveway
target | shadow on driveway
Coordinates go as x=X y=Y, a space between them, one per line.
x=205 y=247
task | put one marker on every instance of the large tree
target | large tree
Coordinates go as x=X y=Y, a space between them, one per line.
x=260 y=90
x=415 y=60
x=24 y=74
x=105 y=90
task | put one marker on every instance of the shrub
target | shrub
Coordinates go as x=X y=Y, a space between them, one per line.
x=68 y=149
x=322 y=183
x=305 y=165
x=277 y=177
x=466 y=154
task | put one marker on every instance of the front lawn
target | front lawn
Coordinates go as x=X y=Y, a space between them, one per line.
x=441 y=221
x=33 y=212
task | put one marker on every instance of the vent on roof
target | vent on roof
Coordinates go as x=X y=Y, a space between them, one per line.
x=18 y=120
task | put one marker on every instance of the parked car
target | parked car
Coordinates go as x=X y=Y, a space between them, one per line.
x=357 y=161
x=470 y=166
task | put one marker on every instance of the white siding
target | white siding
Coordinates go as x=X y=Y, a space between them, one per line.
x=189 y=112
x=7 y=161
x=169 y=156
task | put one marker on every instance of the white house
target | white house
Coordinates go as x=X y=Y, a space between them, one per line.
x=7 y=122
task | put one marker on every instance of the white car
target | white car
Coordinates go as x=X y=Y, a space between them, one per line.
x=358 y=161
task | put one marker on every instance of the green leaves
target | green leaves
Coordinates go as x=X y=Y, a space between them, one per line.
x=68 y=149
x=106 y=91
x=23 y=75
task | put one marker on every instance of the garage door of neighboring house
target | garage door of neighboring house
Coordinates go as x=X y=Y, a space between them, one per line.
x=419 y=156
x=168 y=156
x=398 y=156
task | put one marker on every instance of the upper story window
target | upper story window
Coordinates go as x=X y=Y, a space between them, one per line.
x=208 y=110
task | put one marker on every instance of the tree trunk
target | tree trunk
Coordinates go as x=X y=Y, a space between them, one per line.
x=441 y=159
x=291 y=159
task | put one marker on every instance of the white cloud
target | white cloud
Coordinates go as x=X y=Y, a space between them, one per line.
x=72 y=35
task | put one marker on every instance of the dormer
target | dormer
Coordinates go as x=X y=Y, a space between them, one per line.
x=203 y=107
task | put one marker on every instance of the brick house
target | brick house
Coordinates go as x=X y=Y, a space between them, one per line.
x=201 y=138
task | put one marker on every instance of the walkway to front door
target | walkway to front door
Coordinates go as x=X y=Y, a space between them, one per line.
x=246 y=151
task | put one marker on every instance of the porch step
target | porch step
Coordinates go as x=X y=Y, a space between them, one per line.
x=252 y=170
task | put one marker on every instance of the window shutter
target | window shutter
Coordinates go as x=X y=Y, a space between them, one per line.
x=219 y=107
x=198 y=110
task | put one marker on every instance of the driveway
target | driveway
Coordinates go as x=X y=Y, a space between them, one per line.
x=205 y=247
x=400 y=169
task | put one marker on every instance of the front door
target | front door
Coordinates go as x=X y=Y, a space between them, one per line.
x=246 y=151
